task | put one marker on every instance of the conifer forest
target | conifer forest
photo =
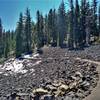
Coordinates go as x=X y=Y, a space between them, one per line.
x=54 y=57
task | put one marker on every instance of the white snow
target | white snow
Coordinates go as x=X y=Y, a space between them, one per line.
x=31 y=56
x=27 y=56
x=32 y=70
x=14 y=66
x=17 y=66
x=36 y=63
x=36 y=55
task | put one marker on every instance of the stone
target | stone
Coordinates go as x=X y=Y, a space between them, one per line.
x=80 y=95
x=73 y=85
x=68 y=98
x=56 y=84
x=78 y=74
x=50 y=87
x=40 y=91
x=49 y=97
x=36 y=97
x=63 y=87
x=85 y=85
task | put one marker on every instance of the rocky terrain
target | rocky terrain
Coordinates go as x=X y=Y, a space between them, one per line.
x=56 y=74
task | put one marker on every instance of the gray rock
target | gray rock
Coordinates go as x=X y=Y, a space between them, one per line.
x=68 y=98
x=49 y=97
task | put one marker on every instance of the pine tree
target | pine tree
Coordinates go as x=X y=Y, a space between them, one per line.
x=0 y=28
x=19 y=37
x=42 y=30
x=99 y=21
x=54 y=28
x=7 y=44
x=1 y=39
x=4 y=40
x=94 y=24
x=88 y=23
x=61 y=23
x=71 y=35
x=83 y=24
x=28 y=32
x=50 y=27
x=39 y=30
x=33 y=35
x=13 y=41
x=46 y=30
x=76 y=24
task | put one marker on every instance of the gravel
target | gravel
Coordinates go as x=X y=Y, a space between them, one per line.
x=56 y=67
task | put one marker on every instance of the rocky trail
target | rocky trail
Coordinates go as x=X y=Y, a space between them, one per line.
x=95 y=95
x=57 y=74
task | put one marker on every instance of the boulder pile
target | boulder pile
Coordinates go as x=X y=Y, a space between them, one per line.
x=53 y=75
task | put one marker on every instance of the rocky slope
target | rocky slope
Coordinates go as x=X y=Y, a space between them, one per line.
x=54 y=75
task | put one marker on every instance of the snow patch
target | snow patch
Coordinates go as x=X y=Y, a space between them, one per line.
x=37 y=63
x=13 y=66
x=36 y=55
x=31 y=56
x=32 y=70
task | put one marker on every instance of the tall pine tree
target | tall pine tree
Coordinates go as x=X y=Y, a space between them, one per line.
x=19 y=37
x=1 y=39
x=54 y=30
x=88 y=22
x=7 y=44
x=28 y=32
x=71 y=34
x=50 y=25
x=94 y=23
x=83 y=24
x=62 y=23
x=39 y=30
x=99 y=21
x=46 y=30
x=76 y=24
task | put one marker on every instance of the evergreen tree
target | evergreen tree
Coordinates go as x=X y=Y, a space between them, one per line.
x=88 y=22
x=54 y=28
x=42 y=30
x=1 y=39
x=50 y=27
x=39 y=30
x=19 y=37
x=99 y=21
x=83 y=24
x=61 y=23
x=94 y=23
x=28 y=32
x=4 y=40
x=33 y=35
x=7 y=44
x=76 y=24
x=12 y=41
x=71 y=35
x=46 y=30
x=0 y=28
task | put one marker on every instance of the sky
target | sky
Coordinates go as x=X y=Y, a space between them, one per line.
x=10 y=10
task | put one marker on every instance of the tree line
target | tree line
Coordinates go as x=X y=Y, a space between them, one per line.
x=75 y=28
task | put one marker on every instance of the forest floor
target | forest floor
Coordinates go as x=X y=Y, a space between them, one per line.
x=57 y=73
